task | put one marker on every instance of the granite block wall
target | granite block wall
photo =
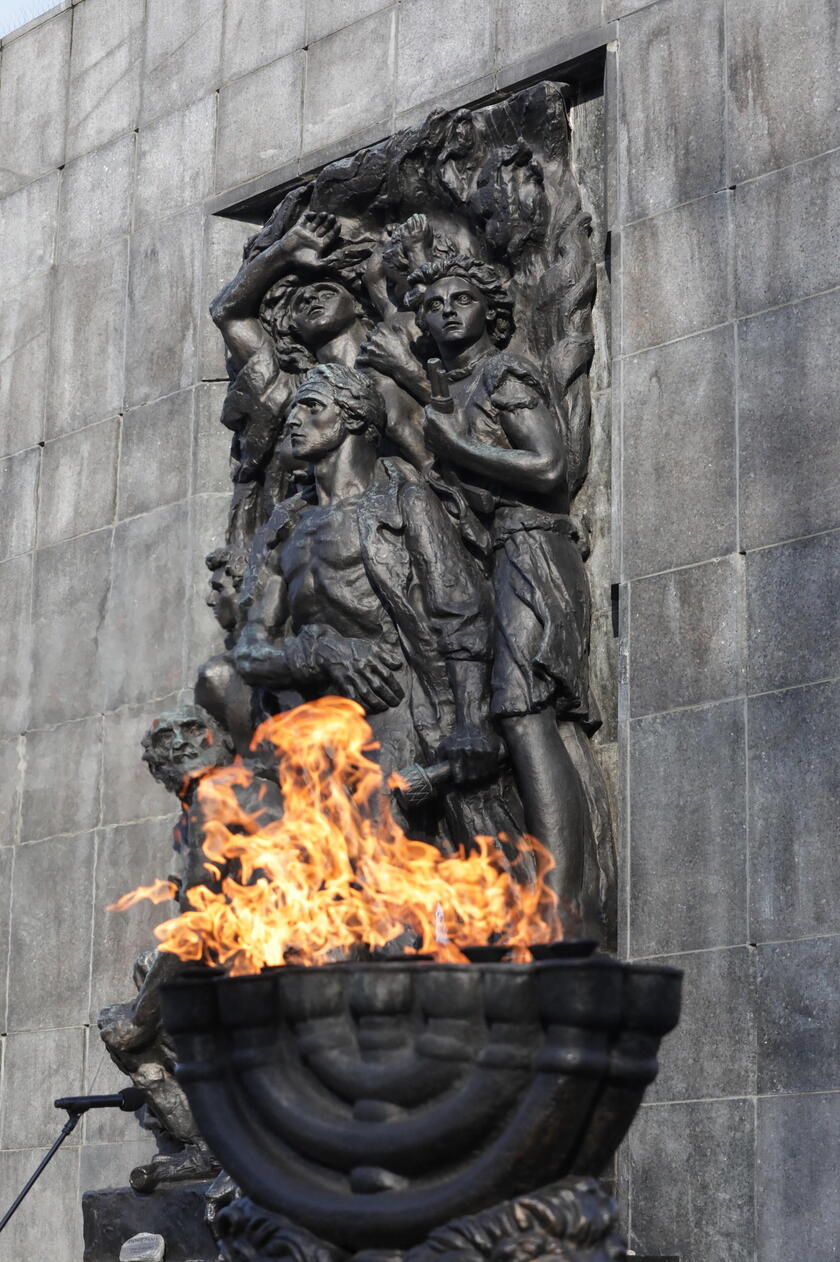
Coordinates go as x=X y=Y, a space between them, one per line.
x=122 y=122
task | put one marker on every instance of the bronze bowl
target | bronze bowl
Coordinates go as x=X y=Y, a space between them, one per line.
x=372 y=1102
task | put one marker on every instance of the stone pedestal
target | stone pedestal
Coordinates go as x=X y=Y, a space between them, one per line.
x=114 y=1215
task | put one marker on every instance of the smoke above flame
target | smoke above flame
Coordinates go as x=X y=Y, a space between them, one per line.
x=336 y=872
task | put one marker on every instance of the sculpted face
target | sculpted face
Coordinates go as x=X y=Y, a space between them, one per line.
x=176 y=746
x=454 y=312
x=315 y=425
x=322 y=310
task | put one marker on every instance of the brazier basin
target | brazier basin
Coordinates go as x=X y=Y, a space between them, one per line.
x=372 y=1102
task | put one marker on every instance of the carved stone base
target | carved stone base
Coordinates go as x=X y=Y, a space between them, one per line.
x=574 y=1220
x=177 y=1213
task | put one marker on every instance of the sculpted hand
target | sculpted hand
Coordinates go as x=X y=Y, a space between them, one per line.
x=387 y=349
x=261 y=664
x=417 y=239
x=364 y=670
x=472 y=752
x=313 y=235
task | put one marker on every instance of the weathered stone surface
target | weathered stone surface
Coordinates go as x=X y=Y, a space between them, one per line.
x=88 y=340
x=687 y=823
x=707 y=1214
x=223 y=243
x=259 y=121
x=175 y=161
x=155 y=454
x=78 y=482
x=95 y=201
x=679 y=467
x=165 y=276
x=18 y=486
x=673 y=85
x=211 y=441
x=50 y=940
x=686 y=636
x=61 y=779
x=143 y=630
x=349 y=80
x=71 y=582
x=798 y=44
x=182 y=57
x=797 y=1157
x=325 y=16
x=7 y=862
x=254 y=36
x=127 y=856
x=24 y=350
x=798 y=1015
x=789 y=378
x=793 y=636
x=128 y=791
x=16 y=658
x=712 y=1051
x=787 y=234
x=433 y=57
x=105 y=64
x=176 y=1213
x=526 y=27
x=104 y=1165
x=208 y=521
x=11 y=776
x=677 y=253
x=27 y=228
x=50 y=1227
x=33 y=95
x=39 y=1065
x=794 y=790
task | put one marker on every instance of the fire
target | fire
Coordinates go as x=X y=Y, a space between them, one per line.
x=336 y=871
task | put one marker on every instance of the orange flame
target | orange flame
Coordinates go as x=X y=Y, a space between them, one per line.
x=337 y=871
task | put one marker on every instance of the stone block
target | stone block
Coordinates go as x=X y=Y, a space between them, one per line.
x=7 y=861
x=793 y=635
x=798 y=1015
x=163 y=294
x=33 y=98
x=686 y=636
x=78 y=482
x=349 y=80
x=434 y=56
x=794 y=788
x=175 y=161
x=143 y=631
x=789 y=437
x=70 y=586
x=61 y=779
x=224 y=240
x=797 y=1158
x=88 y=340
x=796 y=43
x=257 y=33
x=687 y=794
x=155 y=454
x=109 y=1165
x=27 y=229
x=259 y=121
x=182 y=56
x=127 y=856
x=787 y=234
x=15 y=636
x=211 y=444
x=18 y=493
x=676 y=277
x=712 y=1051
x=24 y=352
x=39 y=1065
x=679 y=466
x=105 y=64
x=49 y=1225
x=325 y=16
x=525 y=28
x=672 y=107
x=175 y=1212
x=49 y=945
x=692 y=1180
x=205 y=637
x=11 y=775
x=95 y=201
x=128 y=790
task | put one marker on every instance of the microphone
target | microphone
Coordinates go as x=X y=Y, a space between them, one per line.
x=129 y=1099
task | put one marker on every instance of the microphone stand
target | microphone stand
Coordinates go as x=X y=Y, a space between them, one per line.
x=128 y=1100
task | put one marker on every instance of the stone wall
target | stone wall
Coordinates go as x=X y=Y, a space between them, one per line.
x=118 y=120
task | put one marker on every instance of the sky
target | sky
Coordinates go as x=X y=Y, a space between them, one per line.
x=14 y=13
